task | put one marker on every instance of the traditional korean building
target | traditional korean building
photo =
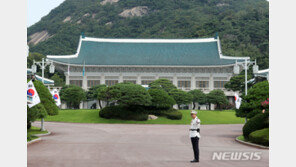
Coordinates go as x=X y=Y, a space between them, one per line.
x=188 y=63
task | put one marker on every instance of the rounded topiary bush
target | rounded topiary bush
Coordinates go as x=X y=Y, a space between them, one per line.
x=161 y=99
x=260 y=137
x=258 y=122
x=123 y=112
x=37 y=111
x=176 y=115
x=46 y=98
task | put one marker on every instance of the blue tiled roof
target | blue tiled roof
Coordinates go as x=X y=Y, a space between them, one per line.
x=145 y=53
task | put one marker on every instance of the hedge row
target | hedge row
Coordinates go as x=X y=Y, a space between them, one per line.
x=260 y=121
x=122 y=112
x=138 y=113
x=46 y=98
x=260 y=136
x=170 y=113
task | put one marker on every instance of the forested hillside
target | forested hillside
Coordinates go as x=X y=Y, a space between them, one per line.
x=243 y=25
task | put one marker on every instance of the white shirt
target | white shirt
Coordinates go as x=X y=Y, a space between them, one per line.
x=195 y=124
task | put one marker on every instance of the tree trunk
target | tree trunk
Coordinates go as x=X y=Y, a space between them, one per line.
x=179 y=106
x=193 y=106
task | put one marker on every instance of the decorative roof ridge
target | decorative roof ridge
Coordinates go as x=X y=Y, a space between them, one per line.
x=150 y=40
x=228 y=57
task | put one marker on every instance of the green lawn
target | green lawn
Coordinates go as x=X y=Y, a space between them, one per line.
x=92 y=116
x=33 y=131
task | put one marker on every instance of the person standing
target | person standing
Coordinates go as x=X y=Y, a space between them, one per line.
x=195 y=135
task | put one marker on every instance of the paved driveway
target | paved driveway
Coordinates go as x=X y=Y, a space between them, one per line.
x=126 y=145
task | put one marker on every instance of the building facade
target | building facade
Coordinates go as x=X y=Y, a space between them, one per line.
x=188 y=63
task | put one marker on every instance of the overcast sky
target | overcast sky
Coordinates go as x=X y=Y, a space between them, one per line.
x=39 y=8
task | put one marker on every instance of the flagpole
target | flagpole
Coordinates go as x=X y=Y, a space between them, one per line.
x=42 y=68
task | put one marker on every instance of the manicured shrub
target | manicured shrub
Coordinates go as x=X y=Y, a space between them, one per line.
x=37 y=111
x=251 y=104
x=124 y=113
x=260 y=137
x=161 y=99
x=181 y=97
x=169 y=113
x=72 y=95
x=163 y=84
x=258 y=122
x=129 y=94
x=177 y=115
x=217 y=97
x=46 y=98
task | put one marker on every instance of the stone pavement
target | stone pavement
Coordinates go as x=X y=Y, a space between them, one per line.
x=125 y=145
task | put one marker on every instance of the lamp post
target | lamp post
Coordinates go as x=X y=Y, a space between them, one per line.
x=43 y=65
x=246 y=64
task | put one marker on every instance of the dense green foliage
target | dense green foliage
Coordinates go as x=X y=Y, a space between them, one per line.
x=243 y=26
x=37 y=111
x=237 y=83
x=58 y=80
x=58 y=76
x=73 y=95
x=161 y=99
x=217 y=97
x=198 y=97
x=181 y=97
x=92 y=93
x=177 y=115
x=163 y=84
x=251 y=104
x=129 y=94
x=260 y=137
x=46 y=98
x=124 y=113
x=170 y=113
x=258 y=122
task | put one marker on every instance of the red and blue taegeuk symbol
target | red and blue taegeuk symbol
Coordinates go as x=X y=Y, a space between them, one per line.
x=30 y=92
x=55 y=96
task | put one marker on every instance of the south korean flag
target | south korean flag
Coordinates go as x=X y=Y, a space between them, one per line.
x=238 y=101
x=56 y=97
x=32 y=95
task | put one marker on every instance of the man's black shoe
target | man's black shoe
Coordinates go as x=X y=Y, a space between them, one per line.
x=194 y=161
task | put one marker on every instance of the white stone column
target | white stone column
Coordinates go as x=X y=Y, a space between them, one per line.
x=120 y=78
x=175 y=81
x=156 y=76
x=67 y=79
x=193 y=83
x=139 y=79
x=102 y=79
x=211 y=82
x=84 y=82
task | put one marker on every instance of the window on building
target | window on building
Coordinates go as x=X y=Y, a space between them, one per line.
x=91 y=83
x=202 y=84
x=130 y=81
x=76 y=82
x=111 y=82
x=184 y=84
x=146 y=82
x=219 y=84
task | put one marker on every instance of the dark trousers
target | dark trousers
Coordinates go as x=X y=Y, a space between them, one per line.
x=194 y=141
